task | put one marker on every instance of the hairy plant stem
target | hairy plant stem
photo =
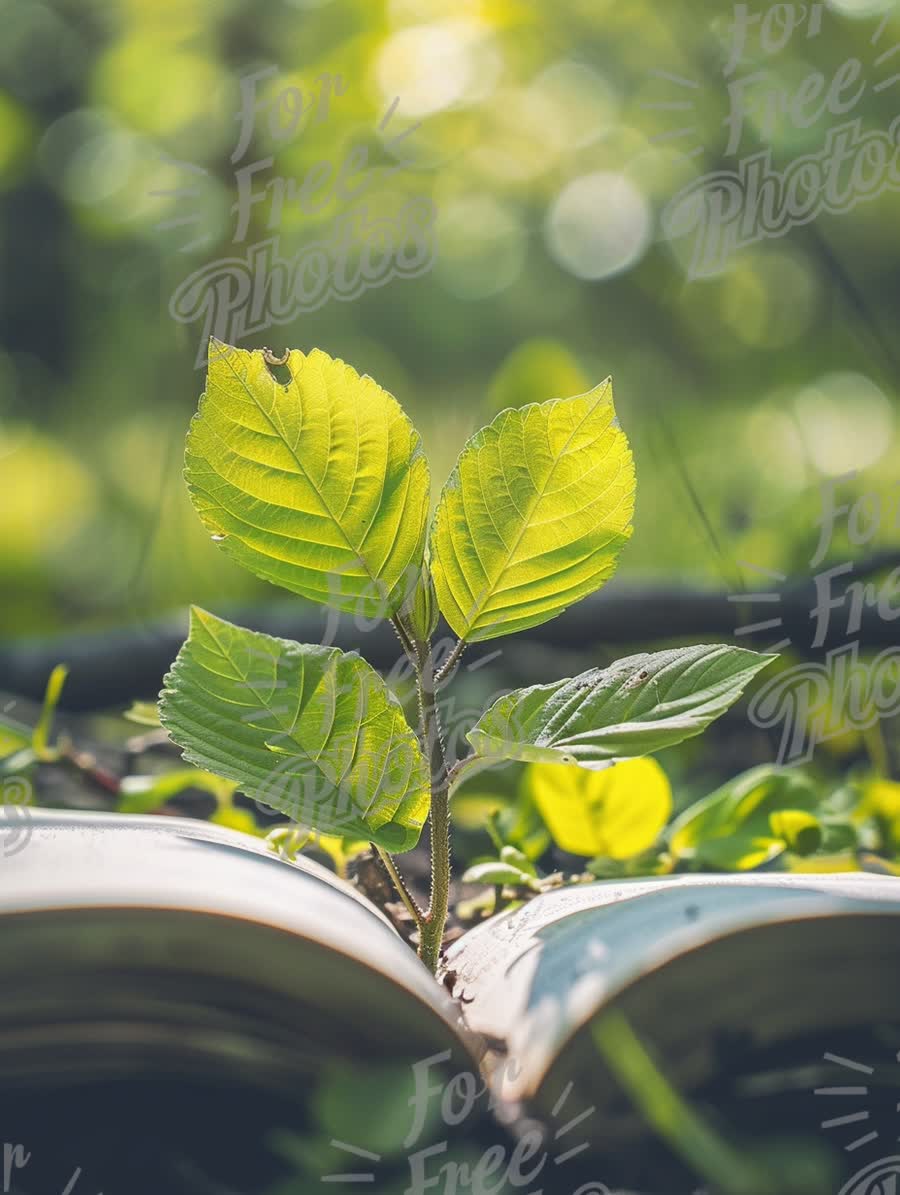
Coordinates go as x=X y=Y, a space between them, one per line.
x=405 y=641
x=431 y=934
x=406 y=896
x=430 y=924
x=450 y=663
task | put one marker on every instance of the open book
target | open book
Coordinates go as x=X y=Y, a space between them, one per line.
x=184 y=1011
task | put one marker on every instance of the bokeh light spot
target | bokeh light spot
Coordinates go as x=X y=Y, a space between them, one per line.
x=599 y=225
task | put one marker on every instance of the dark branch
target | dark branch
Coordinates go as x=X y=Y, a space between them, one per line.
x=113 y=667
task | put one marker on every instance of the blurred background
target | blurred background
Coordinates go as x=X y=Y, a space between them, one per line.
x=549 y=142
x=550 y=139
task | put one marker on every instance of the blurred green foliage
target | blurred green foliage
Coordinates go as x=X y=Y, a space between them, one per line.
x=740 y=393
x=617 y=824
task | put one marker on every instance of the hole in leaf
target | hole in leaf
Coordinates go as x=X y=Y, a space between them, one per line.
x=277 y=366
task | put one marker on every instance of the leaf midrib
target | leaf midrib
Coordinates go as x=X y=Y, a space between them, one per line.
x=538 y=498
x=292 y=450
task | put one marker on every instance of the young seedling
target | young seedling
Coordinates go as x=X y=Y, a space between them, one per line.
x=312 y=477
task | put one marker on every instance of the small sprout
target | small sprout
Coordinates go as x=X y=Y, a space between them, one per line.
x=340 y=755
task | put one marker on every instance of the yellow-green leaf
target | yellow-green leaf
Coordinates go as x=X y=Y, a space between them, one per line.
x=13 y=736
x=236 y=819
x=320 y=485
x=824 y=864
x=310 y=731
x=40 y=739
x=742 y=852
x=533 y=516
x=617 y=813
x=144 y=713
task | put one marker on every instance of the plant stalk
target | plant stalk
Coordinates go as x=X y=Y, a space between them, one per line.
x=431 y=924
x=431 y=934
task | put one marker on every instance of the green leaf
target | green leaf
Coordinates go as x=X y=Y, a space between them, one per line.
x=647 y=863
x=517 y=858
x=879 y=800
x=838 y=835
x=19 y=762
x=617 y=813
x=741 y=851
x=533 y=516
x=288 y=841
x=320 y=485
x=142 y=794
x=497 y=872
x=310 y=731
x=738 y=826
x=637 y=705
x=419 y=615
x=144 y=713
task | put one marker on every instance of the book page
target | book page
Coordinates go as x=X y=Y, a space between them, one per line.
x=188 y=899
x=534 y=976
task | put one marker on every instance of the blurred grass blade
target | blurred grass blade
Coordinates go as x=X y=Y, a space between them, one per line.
x=40 y=739
x=713 y=1158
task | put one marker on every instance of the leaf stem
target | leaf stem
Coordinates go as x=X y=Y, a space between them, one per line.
x=405 y=641
x=400 y=884
x=450 y=663
x=469 y=766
